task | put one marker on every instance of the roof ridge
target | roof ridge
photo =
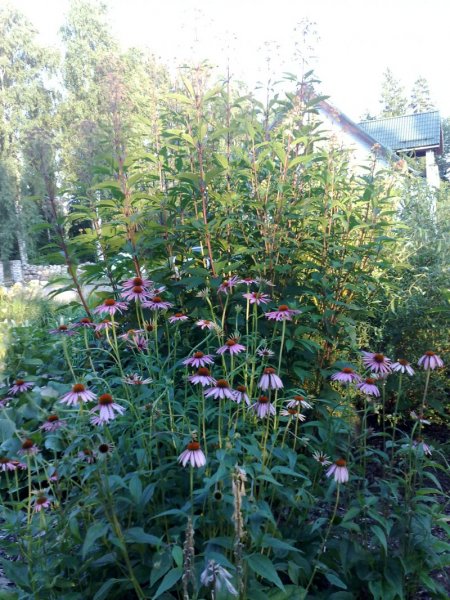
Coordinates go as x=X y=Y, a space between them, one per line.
x=426 y=112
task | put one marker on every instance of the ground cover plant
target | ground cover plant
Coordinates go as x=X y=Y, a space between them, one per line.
x=220 y=415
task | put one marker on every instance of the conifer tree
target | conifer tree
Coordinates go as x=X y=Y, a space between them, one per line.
x=420 y=96
x=393 y=100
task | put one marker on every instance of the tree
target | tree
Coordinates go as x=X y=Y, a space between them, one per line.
x=420 y=96
x=25 y=69
x=393 y=100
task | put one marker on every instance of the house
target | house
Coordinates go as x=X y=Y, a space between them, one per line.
x=417 y=135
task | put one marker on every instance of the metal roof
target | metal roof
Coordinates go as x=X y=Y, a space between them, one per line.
x=410 y=132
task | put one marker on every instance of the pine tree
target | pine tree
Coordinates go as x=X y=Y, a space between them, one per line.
x=420 y=96
x=393 y=99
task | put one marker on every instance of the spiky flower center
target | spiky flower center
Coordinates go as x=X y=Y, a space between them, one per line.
x=369 y=380
x=62 y=328
x=430 y=353
x=206 y=322
x=347 y=370
x=87 y=452
x=241 y=388
x=204 y=372
x=225 y=283
x=109 y=302
x=27 y=444
x=198 y=355
x=403 y=361
x=221 y=383
x=78 y=387
x=193 y=446
x=104 y=448
x=85 y=321
x=20 y=381
x=292 y=411
x=283 y=307
x=299 y=398
x=41 y=500
x=156 y=299
x=378 y=358
x=263 y=400
x=178 y=315
x=4 y=460
x=105 y=399
x=341 y=462
x=269 y=371
x=138 y=289
x=149 y=327
x=231 y=342
x=137 y=281
x=52 y=418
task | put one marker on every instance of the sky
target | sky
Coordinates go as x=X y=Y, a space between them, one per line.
x=353 y=41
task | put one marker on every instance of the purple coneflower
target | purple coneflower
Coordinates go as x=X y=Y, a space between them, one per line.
x=130 y=333
x=157 y=303
x=419 y=417
x=240 y=394
x=62 y=330
x=20 y=386
x=346 y=375
x=199 y=360
x=298 y=401
x=377 y=362
x=139 y=342
x=105 y=324
x=192 y=455
x=104 y=450
x=430 y=361
x=419 y=444
x=78 y=394
x=339 y=470
x=4 y=402
x=265 y=352
x=107 y=410
x=227 y=285
x=135 y=379
x=84 y=322
x=87 y=456
x=136 y=293
x=402 y=366
x=7 y=464
x=205 y=324
x=41 y=502
x=321 y=458
x=137 y=281
x=368 y=387
x=263 y=407
x=53 y=423
x=247 y=281
x=202 y=377
x=270 y=380
x=28 y=448
x=221 y=390
x=293 y=413
x=110 y=307
x=284 y=313
x=232 y=346
x=257 y=298
x=178 y=318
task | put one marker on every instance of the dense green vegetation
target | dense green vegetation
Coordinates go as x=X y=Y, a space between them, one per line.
x=216 y=415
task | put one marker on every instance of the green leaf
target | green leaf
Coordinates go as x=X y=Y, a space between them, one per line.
x=177 y=554
x=95 y=531
x=136 y=535
x=381 y=536
x=334 y=580
x=7 y=429
x=103 y=591
x=135 y=487
x=263 y=566
x=169 y=581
